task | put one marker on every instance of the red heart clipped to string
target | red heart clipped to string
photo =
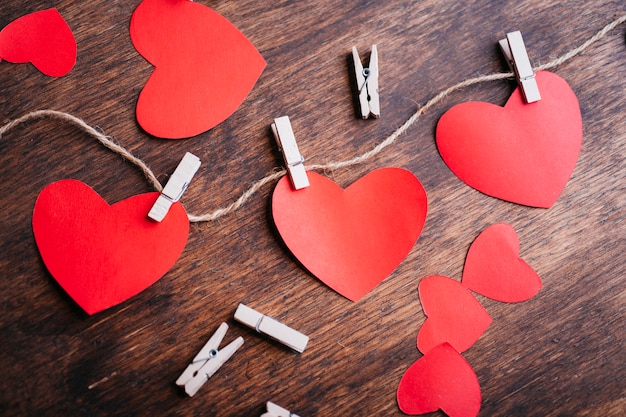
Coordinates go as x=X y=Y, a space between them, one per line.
x=103 y=254
x=523 y=153
x=440 y=380
x=204 y=67
x=494 y=269
x=42 y=38
x=351 y=239
x=454 y=315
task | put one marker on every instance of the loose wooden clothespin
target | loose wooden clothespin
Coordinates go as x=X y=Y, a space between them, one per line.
x=272 y=328
x=208 y=361
x=175 y=187
x=289 y=148
x=516 y=56
x=367 y=83
x=274 y=410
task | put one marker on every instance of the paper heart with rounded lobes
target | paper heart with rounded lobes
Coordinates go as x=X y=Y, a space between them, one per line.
x=440 y=380
x=523 y=153
x=102 y=254
x=42 y=38
x=493 y=267
x=204 y=67
x=454 y=315
x=351 y=239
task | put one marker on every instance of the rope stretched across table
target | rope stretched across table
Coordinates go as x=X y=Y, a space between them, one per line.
x=236 y=204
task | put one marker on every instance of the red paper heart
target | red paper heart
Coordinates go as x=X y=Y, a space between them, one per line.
x=454 y=315
x=42 y=38
x=523 y=153
x=351 y=239
x=494 y=269
x=104 y=254
x=440 y=380
x=205 y=67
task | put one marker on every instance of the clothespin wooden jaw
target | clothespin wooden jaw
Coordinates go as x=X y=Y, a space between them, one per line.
x=514 y=51
x=272 y=328
x=367 y=83
x=208 y=361
x=175 y=187
x=274 y=410
x=283 y=133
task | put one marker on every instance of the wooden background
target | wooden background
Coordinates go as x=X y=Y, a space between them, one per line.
x=559 y=354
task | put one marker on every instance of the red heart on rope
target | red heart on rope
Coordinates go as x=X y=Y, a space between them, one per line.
x=440 y=380
x=523 y=153
x=42 y=38
x=454 y=315
x=103 y=254
x=494 y=269
x=351 y=239
x=204 y=67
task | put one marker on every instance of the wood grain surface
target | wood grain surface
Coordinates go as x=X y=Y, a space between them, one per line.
x=558 y=354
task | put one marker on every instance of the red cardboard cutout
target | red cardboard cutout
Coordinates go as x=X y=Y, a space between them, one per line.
x=42 y=38
x=454 y=315
x=204 y=67
x=104 y=254
x=351 y=239
x=440 y=380
x=523 y=153
x=494 y=269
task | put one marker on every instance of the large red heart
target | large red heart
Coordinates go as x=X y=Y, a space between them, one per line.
x=454 y=315
x=103 y=254
x=351 y=239
x=205 y=67
x=42 y=38
x=494 y=269
x=523 y=153
x=441 y=379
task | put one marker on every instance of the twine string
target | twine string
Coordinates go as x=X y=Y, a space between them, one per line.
x=105 y=140
x=108 y=142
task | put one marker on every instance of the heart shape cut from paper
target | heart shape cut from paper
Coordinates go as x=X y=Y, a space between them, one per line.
x=204 y=67
x=522 y=153
x=103 y=254
x=454 y=315
x=351 y=239
x=494 y=269
x=440 y=380
x=42 y=38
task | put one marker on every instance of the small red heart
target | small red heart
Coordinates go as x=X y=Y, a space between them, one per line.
x=103 y=254
x=42 y=38
x=351 y=239
x=204 y=67
x=440 y=380
x=454 y=315
x=494 y=269
x=523 y=153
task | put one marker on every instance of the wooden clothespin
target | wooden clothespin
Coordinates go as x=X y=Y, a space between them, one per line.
x=175 y=187
x=516 y=56
x=289 y=148
x=272 y=328
x=367 y=83
x=208 y=361
x=274 y=410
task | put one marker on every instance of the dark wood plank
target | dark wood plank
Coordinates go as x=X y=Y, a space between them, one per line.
x=559 y=354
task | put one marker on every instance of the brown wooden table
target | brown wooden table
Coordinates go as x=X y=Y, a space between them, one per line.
x=559 y=354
